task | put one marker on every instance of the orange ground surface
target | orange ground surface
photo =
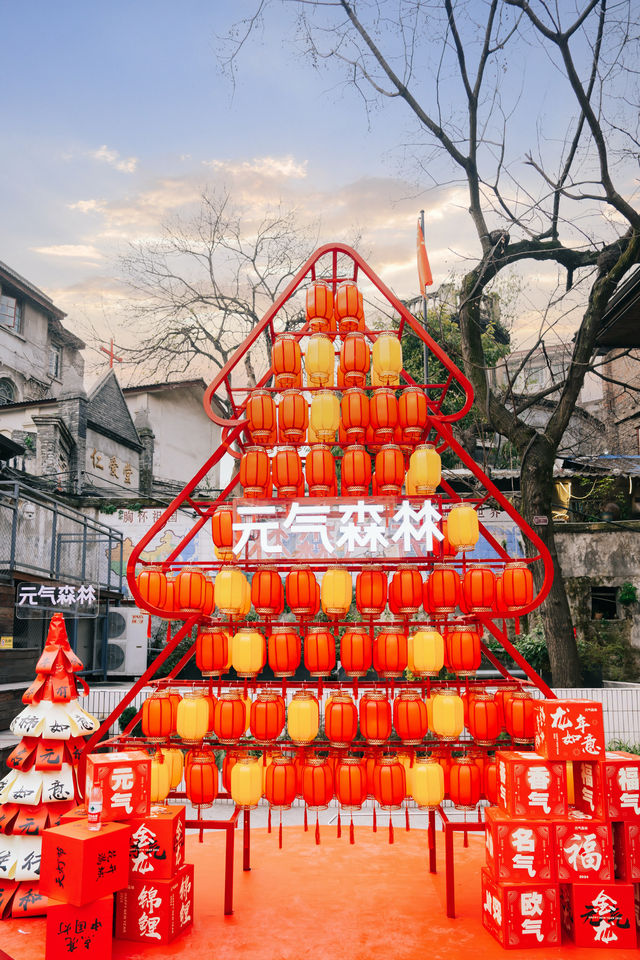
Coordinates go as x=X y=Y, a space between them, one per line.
x=308 y=902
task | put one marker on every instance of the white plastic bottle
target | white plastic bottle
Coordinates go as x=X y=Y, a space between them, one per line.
x=94 y=807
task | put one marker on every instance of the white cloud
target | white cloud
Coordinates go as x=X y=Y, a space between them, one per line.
x=113 y=158
x=89 y=206
x=81 y=251
x=263 y=166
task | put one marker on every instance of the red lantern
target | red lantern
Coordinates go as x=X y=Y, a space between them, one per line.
x=320 y=306
x=320 y=470
x=465 y=783
x=462 y=649
x=317 y=783
x=383 y=415
x=406 y=589
x=355 y=359
x=189 y=591
x=212 y=652
x=303 y=592
x=286 y=361
x=340 y=720
x=389 y=783
x=356 y=652
x=261 y=416
x=267 y=593
x=286 y=468
x=444 y=589
x=152 y=585
x=517 y=585
x=350 y=783
x=201 y=778
x=490 y=782
x=356 y=471
x=371 y=592
x=483 y=720
x=255 y=472
x=410 y=717
x=319 y=651
x=229 y=717
x=390 y=653
x=390 y=470
x=375 y=717
x=293 y=416
x=413 y=414
x=280 y=783
x=157 y=716
x=520 y=717
x=479 y=589
x=354 y=407
x=266 y=718
x=348 y=307
x=502 y=696
x=222 y=532
x=284 y=651
x=446 y=550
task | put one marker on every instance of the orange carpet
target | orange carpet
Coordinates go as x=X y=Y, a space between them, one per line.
x=329 y=902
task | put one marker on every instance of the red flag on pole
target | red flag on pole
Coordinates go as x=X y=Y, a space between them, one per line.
x=424 y=270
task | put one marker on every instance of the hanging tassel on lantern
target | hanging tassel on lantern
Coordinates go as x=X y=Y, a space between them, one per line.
x=306 y=824
x=352 y=836
x=390 y=830
x=317 y=831
x=375 y=822
x=339 y=834
x=269 y=821
x=406 y=819
x=280 y=832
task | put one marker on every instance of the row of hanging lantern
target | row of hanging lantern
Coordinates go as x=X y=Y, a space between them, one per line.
x=375 y=717
x=477 y=591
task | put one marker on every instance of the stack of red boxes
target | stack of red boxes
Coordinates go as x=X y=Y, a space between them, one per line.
x=551 y=866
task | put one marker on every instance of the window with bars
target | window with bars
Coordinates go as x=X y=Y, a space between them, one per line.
x=55 y=362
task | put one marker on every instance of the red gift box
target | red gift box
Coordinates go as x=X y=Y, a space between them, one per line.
x=530 y=786
x=626 y=851
x=584 y=850
x=569 y=729
x=155 y=911
x=78 y=812
x=125 y=778
x=518 y=850
x=609 y=789
x=72 y=930
x=521 y=914
x=157 y=843
x=599 y=914
x=79 y=865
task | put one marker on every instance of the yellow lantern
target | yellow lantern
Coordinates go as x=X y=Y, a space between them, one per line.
x=303 y=717
x=426 y=653
x=336 y=592
x=192 y=719
x=427 y=782
x=248 y=652
x=424 y=470
x=160 y=778
x=175 y=758
x=231 y=592
x=325 y=415
x=387 y=359
x=246 y=782
x=448 y=715
x=319 y=360
x=463 y=529
x=407 y=762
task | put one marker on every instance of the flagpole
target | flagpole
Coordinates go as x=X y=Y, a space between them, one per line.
x=424 y=315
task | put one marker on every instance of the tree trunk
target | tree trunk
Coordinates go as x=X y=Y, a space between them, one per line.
x=536 y=486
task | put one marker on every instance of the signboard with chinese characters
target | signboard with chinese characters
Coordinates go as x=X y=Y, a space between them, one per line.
x=111 y=464
x=39 y=601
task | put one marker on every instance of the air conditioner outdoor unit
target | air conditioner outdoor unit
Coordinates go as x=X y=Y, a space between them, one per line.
x=126 y=643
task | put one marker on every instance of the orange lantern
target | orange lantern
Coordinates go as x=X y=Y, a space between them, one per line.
x=280 y=783
x=356 y=652
x=444 y=589
x=266 y=718
x=286 y=361
x=340 y=720
x=413 y=415
x=157 y=717
x=301 y=589
x=284 y=650
x=383 y=415
x=319 y=651
x=319 y=304
x=406 y=589
x=463 y=530
x=502 y=696
x=354 y=407
x=479 y=589
x=446 y=550
x=222 y=532
x=389 y=783
x=354 y=360
x=465 y=783
x=356 y=471
x=375 y=717
x=229 y=717
x=371 y=592
x=230 y=759
x=152 y=585
x=293 y=416
x=325 y=415
x=317 y=783
x=490 y=782
x=387 y=358
x=410 y=717
x=175 y=699
x=350 y=783
x=267 y=592
x=520 y=717
x=255 y=472
x=390 y=470
x=348 y=307
x=390 y=653
x=201 y=778
x=483 y=720
x=462 y=649
x=261 y=416
x=286 y=469
x=517 y=585
x=189 y=590
x=320 y=471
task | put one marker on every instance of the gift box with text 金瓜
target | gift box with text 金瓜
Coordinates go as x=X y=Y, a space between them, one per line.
x=155 y=911
x=569 y=730
x=531 y=787
x=519 y=850
x=125 y=779
x=584 y=851
x=80 y=931
x=521 y=914
x=599 y=914
x=157 y=843
x=79 y=865
x=609 y=789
